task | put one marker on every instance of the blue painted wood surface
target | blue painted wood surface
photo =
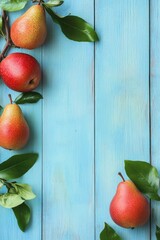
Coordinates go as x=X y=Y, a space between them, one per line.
x=101 y=106
x=122 y=100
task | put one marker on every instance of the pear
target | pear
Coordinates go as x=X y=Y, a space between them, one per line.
x=29 y=30
x=14 y=130
x=129 y=208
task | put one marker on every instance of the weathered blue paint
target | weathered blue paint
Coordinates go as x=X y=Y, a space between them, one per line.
x=68 y=134
x=122 y=100
x=97 y=111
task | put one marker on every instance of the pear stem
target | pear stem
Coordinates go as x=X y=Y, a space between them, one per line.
x=7 y=31
x=39 y=1
x=120 y=174
x=10 y=97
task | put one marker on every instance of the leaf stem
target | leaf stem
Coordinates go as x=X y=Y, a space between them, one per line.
x=38 y=1
x=7 y=184
x=8 y=39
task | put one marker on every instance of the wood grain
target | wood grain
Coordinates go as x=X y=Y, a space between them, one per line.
x=68 y=134
x=122 y=100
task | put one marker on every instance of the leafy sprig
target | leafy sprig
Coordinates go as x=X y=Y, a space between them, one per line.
x=17 y=193
x=74 y=27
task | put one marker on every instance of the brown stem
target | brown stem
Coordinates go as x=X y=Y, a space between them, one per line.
x=38 y=1
x=10 y=97
x=8 y=39
x=120 y=174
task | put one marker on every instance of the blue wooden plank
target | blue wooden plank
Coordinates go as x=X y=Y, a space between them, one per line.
x=32 y=113
x=68 y=133
x=122 y=100
x=155 y=100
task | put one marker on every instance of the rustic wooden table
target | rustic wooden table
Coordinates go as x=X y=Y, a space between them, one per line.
x=101 y=105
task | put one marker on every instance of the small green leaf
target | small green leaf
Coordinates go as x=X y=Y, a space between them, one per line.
x=17 y=165
x=24 y=191
x=53 y=3
x=74 y=28
x=13 y=5
x=10 y=200
x=1 y=23
x=28 y=97
x=109 y=233
x=12 y=190
x=1 y=110
x=145 y=177
x=1 y=183
x=1 y=26
x=23 y=215
x=158 y=232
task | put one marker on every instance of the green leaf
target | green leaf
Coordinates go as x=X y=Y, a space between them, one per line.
x=158 y=232
x=74 y=28
x=1 y=110
x=109 y=233
x=13 y=5
x=24 y=191
x=53 y=3
x=12 y=190
x=145 y=177
x=2 y=29
x=17 y=165
x=1 y=23
x=10 y=200
x=1 y=183
x=1 y=26
x=23 y=215
x=28 y=97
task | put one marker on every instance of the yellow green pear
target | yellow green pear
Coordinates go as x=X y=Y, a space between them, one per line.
x=29 y=30
x=14 y=130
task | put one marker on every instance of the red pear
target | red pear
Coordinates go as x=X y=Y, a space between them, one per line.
x=129 y=208
x=14 y=130
x=20 y=72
